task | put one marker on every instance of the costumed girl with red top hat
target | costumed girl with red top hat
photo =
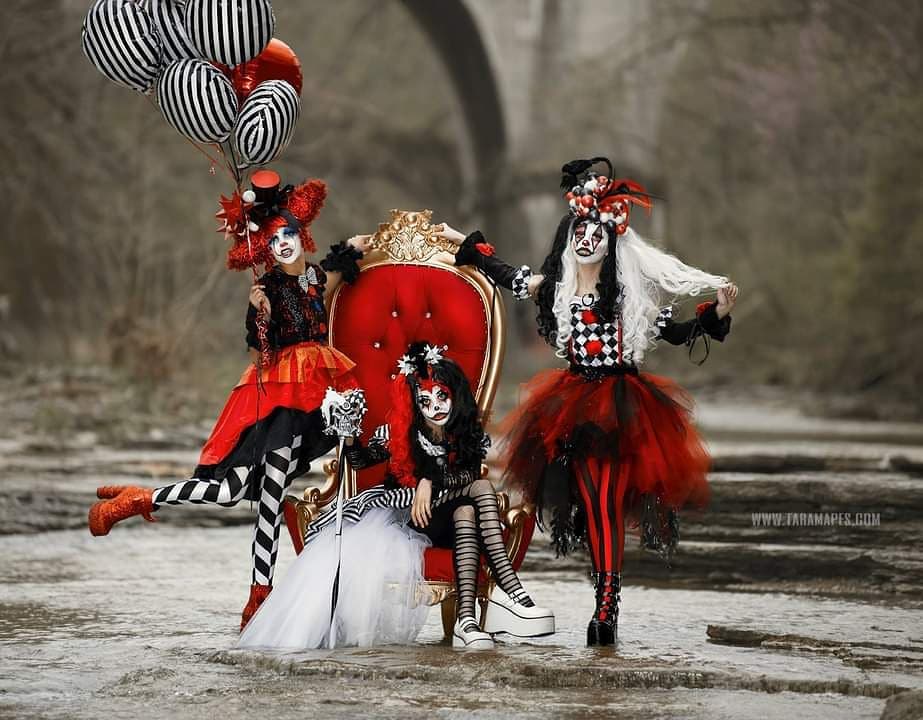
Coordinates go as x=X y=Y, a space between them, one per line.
x=271 y=427
x=600 y=443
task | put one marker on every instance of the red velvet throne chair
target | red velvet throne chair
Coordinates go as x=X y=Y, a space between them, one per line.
x=409 y=290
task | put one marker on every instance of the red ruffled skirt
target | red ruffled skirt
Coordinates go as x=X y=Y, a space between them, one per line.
x=297 y=379
x=639 y=422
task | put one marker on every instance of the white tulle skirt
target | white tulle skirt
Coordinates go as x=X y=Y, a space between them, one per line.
x=381 y=577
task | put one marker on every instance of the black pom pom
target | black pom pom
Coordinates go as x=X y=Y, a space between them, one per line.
x=575 y=167
x=343 y=259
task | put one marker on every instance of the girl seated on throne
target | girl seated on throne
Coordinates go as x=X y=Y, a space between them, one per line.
x=433 y=443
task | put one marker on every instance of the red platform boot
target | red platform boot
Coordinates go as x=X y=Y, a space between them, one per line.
x=258 y=593
x=124 y=502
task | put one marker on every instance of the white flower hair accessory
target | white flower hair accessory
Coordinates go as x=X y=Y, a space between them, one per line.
x=433 y=354
x=405 y=365
x=421 y=355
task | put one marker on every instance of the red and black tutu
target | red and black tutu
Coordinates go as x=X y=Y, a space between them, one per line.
x=286 y=403
x=638 y=422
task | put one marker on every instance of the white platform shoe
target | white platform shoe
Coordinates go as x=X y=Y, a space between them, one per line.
x=467 y=634
x=505 y=615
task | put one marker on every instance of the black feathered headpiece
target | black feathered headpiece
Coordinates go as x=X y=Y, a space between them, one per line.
x=575 y=169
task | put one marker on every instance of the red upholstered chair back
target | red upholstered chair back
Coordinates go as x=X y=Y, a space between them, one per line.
x=409 y=291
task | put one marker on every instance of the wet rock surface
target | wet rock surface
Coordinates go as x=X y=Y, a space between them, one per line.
x=775 y=619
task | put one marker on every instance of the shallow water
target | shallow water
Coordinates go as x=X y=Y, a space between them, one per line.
x=144 y=620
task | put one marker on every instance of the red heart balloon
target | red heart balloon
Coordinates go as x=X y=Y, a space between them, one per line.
x=277 y=62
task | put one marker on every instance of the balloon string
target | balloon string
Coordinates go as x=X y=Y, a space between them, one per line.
x=214 y=161
x=230 y=164
x=264 y=357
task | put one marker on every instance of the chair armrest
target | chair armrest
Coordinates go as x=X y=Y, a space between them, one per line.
x=300 y=512
x=520 y=523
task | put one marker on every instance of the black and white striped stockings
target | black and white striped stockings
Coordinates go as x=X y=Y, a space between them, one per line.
x=277 y=469
x=477 y=529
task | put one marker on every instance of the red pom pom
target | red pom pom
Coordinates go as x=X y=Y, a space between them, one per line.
x=243 y=256
x=485 y=248
x=589 y=317
x=306 y=200
x=594 y=347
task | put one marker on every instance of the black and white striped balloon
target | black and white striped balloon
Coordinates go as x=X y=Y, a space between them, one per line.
x=169 y=18
x=120 y=39
x=197 y=100
x=230 y=31
x=266 y=122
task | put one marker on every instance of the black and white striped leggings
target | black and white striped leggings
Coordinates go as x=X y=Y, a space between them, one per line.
x=277 y=469
x=475 y=515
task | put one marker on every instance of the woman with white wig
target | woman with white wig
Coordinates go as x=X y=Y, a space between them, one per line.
x=600 y=443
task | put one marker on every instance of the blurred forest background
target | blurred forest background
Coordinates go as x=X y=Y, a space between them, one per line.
x=786 y=137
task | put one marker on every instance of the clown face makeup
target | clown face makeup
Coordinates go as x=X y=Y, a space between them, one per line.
x=590 y=242
x=435 y=403
x=286 y=246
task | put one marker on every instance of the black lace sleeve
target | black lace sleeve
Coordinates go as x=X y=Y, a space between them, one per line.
x=343 y=259
x=253 y=338
x=477 y=252
x=717 y=328
x=705 y=324
x=362 y=456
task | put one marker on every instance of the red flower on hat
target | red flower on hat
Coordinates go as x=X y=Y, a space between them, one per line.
x=233 y=214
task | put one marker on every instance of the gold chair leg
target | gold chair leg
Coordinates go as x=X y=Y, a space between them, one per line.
x=448 y=616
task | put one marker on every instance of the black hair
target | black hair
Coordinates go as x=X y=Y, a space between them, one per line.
x=464 y=429
x=607 y=289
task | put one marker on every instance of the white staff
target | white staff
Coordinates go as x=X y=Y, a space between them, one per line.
x=343 y=415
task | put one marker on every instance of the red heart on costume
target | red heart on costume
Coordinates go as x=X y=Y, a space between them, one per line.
x=589 y=317
x=594 y=347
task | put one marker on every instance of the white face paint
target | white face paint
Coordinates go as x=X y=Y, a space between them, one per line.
x=590 y=242
x=286 y=246
x=435 y=404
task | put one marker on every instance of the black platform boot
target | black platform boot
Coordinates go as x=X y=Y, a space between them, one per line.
x=603 y=628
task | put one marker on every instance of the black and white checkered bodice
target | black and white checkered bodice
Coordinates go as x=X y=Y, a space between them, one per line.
x=594 y=342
